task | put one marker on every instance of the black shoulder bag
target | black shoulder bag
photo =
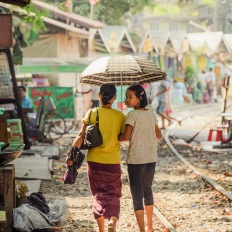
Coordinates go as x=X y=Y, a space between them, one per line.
x=93 y=137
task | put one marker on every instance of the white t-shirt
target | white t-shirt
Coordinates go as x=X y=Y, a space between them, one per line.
x=210 y=76
x=164 y=96
x=143 y=142
x=202 y=79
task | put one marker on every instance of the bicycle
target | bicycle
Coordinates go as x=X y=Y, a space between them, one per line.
x=46 y=125
x=72 y=126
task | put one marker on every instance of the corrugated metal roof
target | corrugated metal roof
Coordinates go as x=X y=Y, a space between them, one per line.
x=206 y=41
x=72 y=17
x=117 y=36
x=53 y=22
x=227 y=38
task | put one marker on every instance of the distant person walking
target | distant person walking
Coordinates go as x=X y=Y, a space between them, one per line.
x=201 y=80
x=104 y=171
x=210 y=83
x=95 y=95
x=143 y=133
x=163 y=99
x=94 y=90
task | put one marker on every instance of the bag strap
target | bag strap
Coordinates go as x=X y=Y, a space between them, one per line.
x=97 y=118
x=89 y=116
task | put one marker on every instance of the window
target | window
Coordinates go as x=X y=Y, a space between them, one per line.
x=154 y=26
x=173 y=27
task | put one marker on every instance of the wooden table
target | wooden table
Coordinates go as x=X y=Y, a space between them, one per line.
x=7 y=195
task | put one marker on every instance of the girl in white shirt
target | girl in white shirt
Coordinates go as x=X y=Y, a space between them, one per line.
x=142 y=130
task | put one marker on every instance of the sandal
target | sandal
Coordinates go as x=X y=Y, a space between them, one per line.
x=110 y=227
x=112 y=224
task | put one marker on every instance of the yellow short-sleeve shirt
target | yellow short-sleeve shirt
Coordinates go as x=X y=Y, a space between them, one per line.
x=111 y=124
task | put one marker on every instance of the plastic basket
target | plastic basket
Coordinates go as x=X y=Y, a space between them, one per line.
x=16 y=136
x=6 y=91
x=15 y=125
x=5 y=79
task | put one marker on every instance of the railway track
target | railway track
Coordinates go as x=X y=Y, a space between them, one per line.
x=184 y=201
x=216 y=192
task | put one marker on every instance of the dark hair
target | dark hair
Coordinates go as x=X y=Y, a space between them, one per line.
x=22 y=87
x=140 y=93
x=107 y=91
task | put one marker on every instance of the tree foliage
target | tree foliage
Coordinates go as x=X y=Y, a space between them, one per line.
x=189 y=75
x=26 y=29
x=210 y=3
x=111 y=12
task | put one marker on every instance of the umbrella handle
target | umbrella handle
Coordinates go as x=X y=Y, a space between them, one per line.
x=121 y=93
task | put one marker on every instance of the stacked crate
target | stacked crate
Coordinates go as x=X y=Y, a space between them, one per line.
x=16 y=130
x=6 y=87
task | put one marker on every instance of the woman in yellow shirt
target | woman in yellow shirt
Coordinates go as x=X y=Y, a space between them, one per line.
x=104 y=170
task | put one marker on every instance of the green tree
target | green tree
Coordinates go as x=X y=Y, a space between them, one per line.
x=189 y=75
x=111 y=12
x=26 y=29
x=210 y=3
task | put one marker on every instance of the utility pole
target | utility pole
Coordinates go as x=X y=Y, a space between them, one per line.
x=215 y=16
x=91 y=11
x=69 y=10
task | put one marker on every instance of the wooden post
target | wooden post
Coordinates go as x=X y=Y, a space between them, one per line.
x=7 y=195
x=226 y=85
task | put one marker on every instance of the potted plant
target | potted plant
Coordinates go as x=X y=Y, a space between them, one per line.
x=189 y=77
x=21 y=191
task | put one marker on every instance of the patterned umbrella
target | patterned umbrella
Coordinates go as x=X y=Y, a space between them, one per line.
x=122 y=70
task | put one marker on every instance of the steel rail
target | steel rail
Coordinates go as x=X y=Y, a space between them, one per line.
x=196 y=171
x=158 y=214
x=156 y=211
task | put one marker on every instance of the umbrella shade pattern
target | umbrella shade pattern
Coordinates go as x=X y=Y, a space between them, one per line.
x=122 y=70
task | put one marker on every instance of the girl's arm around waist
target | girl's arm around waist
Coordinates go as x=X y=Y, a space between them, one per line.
x=127 y=133
x=158 y=132
x=128 y=130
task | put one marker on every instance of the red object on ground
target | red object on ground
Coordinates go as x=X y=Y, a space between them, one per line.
x=215 y=135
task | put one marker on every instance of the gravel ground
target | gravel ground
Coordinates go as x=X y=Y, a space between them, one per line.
x=188 y=202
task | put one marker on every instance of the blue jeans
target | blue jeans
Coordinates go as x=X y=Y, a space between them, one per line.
x=160 y=107
x=141 y=177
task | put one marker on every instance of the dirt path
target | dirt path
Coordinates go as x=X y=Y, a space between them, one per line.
x=188 y=202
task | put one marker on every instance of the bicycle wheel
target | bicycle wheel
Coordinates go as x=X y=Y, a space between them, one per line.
x=58 y=124
x=72 y=126
x=50 y=126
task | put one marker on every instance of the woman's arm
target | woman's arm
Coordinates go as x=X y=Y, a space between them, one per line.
x=80 y=136
x=158 y=132
x=127 y=133
x=77 y=142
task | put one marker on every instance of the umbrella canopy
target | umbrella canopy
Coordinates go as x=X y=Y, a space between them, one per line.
x=121 y=70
